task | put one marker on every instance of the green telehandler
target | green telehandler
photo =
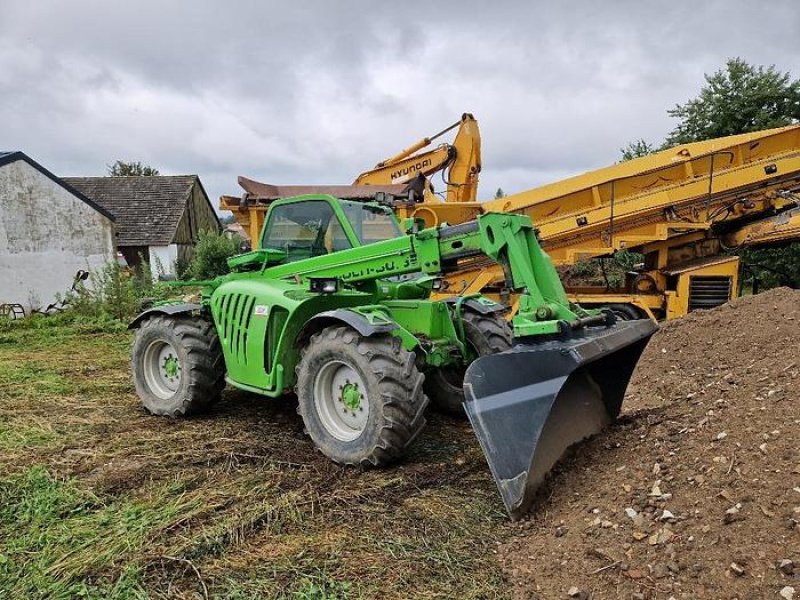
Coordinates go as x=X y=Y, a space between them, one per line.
x=335 y=305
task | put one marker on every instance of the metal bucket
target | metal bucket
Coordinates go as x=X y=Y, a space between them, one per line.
x=531 y=403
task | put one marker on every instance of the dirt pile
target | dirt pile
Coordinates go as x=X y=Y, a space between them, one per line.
x=695 y=493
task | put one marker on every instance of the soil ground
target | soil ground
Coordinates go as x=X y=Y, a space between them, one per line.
x=694 y=493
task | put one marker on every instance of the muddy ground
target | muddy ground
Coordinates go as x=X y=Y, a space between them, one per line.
x=695 y=493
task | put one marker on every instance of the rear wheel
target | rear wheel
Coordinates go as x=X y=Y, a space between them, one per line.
x=486 y=334
x=361 y=398
x=178 y=367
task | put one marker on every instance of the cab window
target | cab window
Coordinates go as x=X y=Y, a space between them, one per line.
x=304 y=230
x=371 y=223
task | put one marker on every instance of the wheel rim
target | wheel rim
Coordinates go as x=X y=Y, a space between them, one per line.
x=340 y=398
x=162 y=369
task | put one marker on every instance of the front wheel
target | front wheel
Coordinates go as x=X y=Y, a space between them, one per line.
x=178 y=366
x=486 y=334
x=360 y=398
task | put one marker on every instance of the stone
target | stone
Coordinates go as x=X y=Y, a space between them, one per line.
x=786 y=566
x=660 y=571
x=634 y=574
x=736 y=569
x=787 y=593
x=673 y=566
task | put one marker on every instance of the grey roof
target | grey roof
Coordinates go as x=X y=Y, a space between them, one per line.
x=10 y=157
x=147 y=209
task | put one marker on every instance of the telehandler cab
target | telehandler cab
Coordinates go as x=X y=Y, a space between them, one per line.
x=335 y=305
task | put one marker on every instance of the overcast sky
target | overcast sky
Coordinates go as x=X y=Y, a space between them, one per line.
x=316 y=92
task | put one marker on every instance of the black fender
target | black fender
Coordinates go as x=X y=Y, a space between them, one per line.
x=167 y=309
x=478 y=307
x=345 y=317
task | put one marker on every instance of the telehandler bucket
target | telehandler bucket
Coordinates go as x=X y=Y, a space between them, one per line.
x=529 y=404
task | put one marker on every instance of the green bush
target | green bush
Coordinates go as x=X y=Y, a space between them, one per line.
x=116 y=292
x=584 y=268
x=773 y=267
x=211 y=255
x=627 y=259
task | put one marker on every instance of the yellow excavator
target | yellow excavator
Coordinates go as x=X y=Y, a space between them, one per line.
x=682 y=208
x=409 y=170
x=459 y=162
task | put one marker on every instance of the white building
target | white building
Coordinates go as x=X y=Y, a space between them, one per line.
x=48 y=232
x=158 y=218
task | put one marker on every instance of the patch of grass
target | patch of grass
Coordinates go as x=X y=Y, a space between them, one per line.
x=58 y=541
x=48 y=330
x=99 y=499
x=18 y=436
x=31 y=379
x=315 y=586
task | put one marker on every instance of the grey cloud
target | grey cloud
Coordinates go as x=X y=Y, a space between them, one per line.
x=315 y=92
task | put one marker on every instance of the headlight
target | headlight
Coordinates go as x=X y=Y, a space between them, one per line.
x=323 y=285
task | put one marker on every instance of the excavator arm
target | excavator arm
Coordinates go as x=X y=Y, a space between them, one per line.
x=460 y=162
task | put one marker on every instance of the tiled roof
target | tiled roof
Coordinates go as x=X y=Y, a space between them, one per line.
x=147 y=209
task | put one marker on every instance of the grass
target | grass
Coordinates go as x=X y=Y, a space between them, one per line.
x=100 y=500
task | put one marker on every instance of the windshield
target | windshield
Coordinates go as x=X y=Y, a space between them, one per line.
x=304 y=230
x=371 y=223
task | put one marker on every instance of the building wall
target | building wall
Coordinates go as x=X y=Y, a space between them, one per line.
x=162 y=260
x=198 y=216
x=46 y=236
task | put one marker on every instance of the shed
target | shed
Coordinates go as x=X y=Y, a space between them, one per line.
x=159 y=218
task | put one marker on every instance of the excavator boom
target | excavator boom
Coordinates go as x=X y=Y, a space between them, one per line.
x=460 y=163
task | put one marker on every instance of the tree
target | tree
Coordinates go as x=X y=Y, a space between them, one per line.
x=637 y=149
x=131 y=169
x=737 y=99
x=499 y=193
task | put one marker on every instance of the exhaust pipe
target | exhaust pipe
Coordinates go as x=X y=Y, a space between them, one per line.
x=528 y=405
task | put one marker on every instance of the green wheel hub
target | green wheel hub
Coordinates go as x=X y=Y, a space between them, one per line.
x=351 y=396
x=171 y=366
x=341 y=401
x=162 y=368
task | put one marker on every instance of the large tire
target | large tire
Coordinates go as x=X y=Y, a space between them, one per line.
x=178 y=366
x=486 y=334
x=361 y=398
x=624 y=312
